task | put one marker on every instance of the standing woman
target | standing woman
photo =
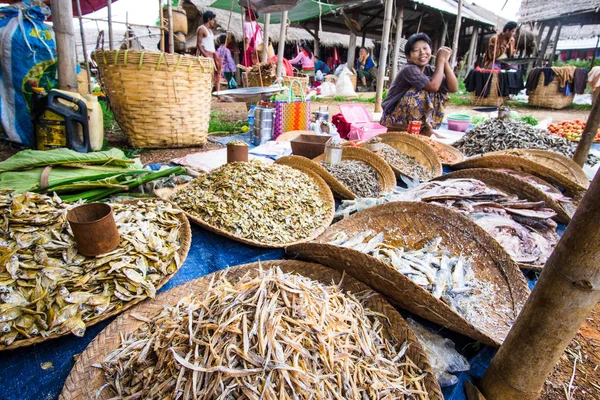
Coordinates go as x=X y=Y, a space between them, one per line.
x=253 y=37
x=420 y=92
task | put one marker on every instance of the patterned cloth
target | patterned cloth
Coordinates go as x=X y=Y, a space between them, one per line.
x=418 y=105
x=226 y=59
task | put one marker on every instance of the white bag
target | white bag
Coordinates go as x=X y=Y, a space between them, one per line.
x=344 y=85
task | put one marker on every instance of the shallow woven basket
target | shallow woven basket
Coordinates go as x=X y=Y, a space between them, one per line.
x=493 y=99
x=387 y=179
x=186 y=240
x=324 y=193
x=160 y=100
x=414 y=147
x=268 y=80
x=85 y=380
x=510 y=184
x=440 y=148
x=549 y=96
x=555 y=161
x=519 y=163
x=413 y=224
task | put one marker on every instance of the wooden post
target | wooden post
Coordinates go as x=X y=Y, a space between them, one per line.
x=383 y=56
x=595 y=51
x=84 y=48
x=591 y=127
x=545 y=45
x=556 y=37
x=443 y=35
x=171 y=37
x=162 y=26
x=456 y=35
x=472 y=48
x=317 y=39
x=62 y=23
x=564 y=296
x=364 y=36
x=398 y=37
x=110 y=27
x=351 y=51
x=281 y=47
x=265 y=52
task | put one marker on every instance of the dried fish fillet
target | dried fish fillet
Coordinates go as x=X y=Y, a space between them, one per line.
x=358 y=176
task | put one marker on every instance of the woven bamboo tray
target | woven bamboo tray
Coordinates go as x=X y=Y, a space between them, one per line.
x=387 y=179
x=85 y=380
x=493 y=99
x=160 y=100
x=555 y=161
x=549 y=96
x=519 y=163
x=186 y=240
x=324 y=193
x=439 y=147
x=418 y=149
x=413 y=223
x=511 y=185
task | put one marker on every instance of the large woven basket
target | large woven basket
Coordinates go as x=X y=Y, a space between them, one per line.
x=85 y=379
x=493 y=99
x=412 y=146
x=549 y=96
x=413 y=224
x=185 y=241
x=160 y=100
x=254 y=80
x=447 y=154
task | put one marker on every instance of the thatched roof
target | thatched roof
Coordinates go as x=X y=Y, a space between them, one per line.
x=541 y=10
x=579 y=32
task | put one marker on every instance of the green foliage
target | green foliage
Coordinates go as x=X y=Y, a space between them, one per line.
x=339 y=98
x=578 y=63
x=174 y=3
x=107 y=115
x=477 y=119
x=528 y=119
x=459 y=99
x=221 y=127
x=461 y=86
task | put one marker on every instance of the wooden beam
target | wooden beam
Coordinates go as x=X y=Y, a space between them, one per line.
x=444 y=33
x=171 y=36
x=396 y=52
x=62 y=24
x=567 y=291
x=472 y=49
x=383 y=55
x=352 y=46
x=162 y=26
x=281 y=47
x=317 y=43
x=456 y=35
x=556 y=37
x=545 y=46
x=591 y=127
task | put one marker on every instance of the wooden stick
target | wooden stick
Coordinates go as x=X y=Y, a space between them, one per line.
x=123 y=23
x=456 y=35
x=565 y=294
x=171 y=37
x=545 y=45
x=397 y=39
x=84 y=48
x=110 y=27
x=162 y=26
x=265 y=52
x=65 y=44
x=383 y=55
x=556 y=37
x=281 y=47
x=589 y=132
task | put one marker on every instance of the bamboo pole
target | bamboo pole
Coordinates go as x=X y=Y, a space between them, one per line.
x=110 y=27
x=396 y=53
x=121 y=23
x=472 y=48
x=383 y=56
x=564 y=296
x=456 y=35
x=171 y=37
x=591 y=127
x=265 y=52
x=281 y=47
x=162 y=26
x=62 y=23
x=84 y=48
x=556 y=37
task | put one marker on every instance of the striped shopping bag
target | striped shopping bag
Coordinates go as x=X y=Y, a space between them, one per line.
x=292 y=114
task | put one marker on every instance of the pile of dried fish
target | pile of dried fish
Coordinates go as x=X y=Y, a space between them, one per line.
x=504 y=134
x=447 y=277
x=276 y=335
x=405 y=163
x=270 y=204
x=444 y=155
x=359 y=177
x=47 y=287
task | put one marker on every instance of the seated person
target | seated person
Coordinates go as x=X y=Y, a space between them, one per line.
x=321 y=66
x=306 y=60
x=500 y=46
x=420 y=92
x=365 y=67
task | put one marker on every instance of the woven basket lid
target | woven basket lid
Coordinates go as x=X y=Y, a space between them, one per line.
x=418 y=149
x=324 y=193
x=85 y=380
x=412 y=224
x=185 y=236
x=510 y=184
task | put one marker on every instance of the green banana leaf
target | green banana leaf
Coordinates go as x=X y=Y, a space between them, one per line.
x=35 y=158
x=114 y=182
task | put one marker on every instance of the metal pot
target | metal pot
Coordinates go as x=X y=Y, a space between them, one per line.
x=94 y=228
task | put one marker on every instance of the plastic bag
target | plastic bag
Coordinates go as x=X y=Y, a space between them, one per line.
x=327 y=89
x=232 y=84
x=344 y=86
x=319 y=76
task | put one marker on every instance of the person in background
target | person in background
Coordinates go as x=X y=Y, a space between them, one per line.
x=365 y=66
x=500 y=46
x=420 y=92
x=205 y=45
x=253 y=37
x=321 y=66
x=306 y=59
x=226 y=59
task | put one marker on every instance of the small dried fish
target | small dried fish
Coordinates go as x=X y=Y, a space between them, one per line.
x=408 y=165
x=359 y=177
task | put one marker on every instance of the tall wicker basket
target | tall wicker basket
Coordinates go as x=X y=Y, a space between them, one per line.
x=160 y=100
x=254 y=80
x=493 y=99
x=549 y=96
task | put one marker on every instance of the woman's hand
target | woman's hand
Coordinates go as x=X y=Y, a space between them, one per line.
x=443 y=54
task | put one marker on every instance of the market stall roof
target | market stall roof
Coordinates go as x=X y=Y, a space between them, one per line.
x=451 y=7
x=569 y=12
x=303 y=11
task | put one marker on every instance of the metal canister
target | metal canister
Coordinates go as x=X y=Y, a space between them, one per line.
x=94 y=228
x=263 y=125
x=323 y=115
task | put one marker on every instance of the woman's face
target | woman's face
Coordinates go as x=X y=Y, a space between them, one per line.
x=362 y=52
x=421 y=53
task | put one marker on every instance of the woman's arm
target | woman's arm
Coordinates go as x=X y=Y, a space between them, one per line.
x=298 y=58
x=451 y=80
x=437 y=78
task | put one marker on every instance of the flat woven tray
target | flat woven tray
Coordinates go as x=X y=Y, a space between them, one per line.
x=410 y=224
x=324 y=193
x=440 y=147
x=85 y=380
x=186 y=240
x=412 y=146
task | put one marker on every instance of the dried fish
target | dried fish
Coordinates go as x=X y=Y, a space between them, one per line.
x=497 y=134
x=47 y=287
x=408 y=165
x=275 y=335
x=271 y=204
x=359 y=177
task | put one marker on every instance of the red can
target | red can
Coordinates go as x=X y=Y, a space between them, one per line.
x=414 y=127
